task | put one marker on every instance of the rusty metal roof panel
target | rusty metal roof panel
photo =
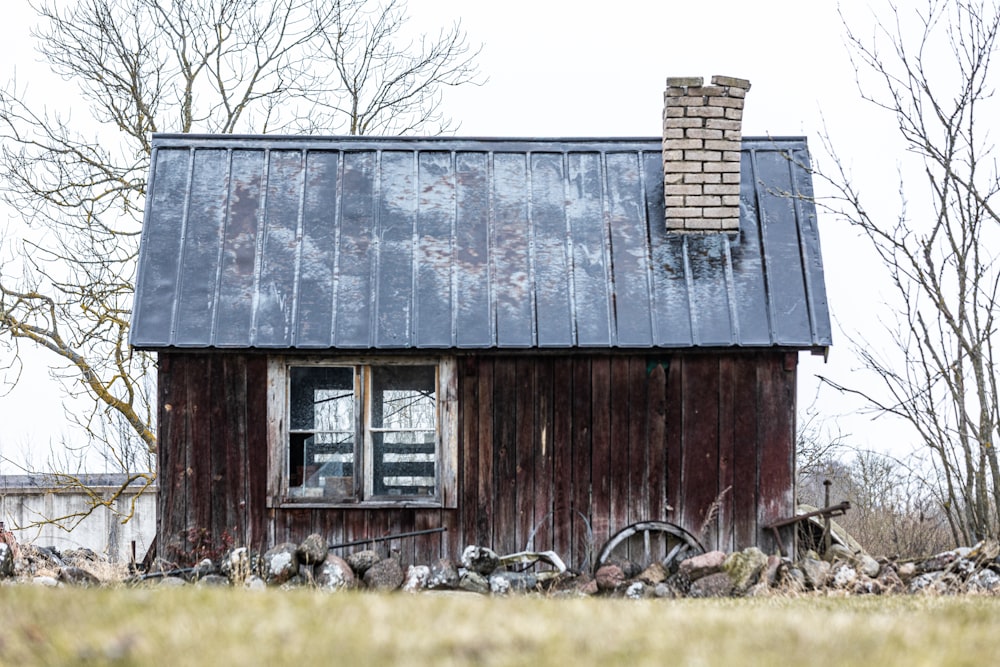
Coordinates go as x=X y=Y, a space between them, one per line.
x=360 y=243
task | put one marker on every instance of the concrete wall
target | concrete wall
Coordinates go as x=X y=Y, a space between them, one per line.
x=27 y=500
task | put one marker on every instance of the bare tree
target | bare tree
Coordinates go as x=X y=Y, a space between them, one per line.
x=930 y=69
x=141 y=66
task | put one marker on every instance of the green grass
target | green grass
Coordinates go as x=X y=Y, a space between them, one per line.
x=191 y=626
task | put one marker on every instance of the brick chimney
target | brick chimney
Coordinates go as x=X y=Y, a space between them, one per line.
x=701 y=153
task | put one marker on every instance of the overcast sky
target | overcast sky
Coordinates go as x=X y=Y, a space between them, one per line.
x=560 y=68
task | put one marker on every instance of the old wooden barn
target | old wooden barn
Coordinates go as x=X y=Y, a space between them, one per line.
x=528 y=342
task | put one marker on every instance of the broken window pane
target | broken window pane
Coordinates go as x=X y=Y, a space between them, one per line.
x=323 y=432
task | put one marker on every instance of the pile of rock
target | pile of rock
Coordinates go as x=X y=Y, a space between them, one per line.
x=480 y=570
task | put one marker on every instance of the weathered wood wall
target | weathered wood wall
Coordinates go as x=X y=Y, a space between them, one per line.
x=562 y=451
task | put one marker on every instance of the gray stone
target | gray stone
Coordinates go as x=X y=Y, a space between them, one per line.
x=711 y=586
x=481 y=560
x=236 y=565
x=815 y=571
x=360 y=561
x=202 y=569
x=281 y=563
x=474 y=582
x=838 y=552
x=843 y=575
x=867 y=586
x=890 y=581
x=416 y=578
x=868 y=566
x=609 y=578
x=77 y=576
x=6 y=560
x=313 y=549
x=925 y=583
x=906 y=571
x=82 y=554
x=444 y=574
x=636 y=591
x=333 y=574
x=744 y=567
x=792 y=578
x=702 y=565
x=172 y=582
x=48 y=582
x=212 y=581
x=963 y=567
x=254 y=583
x=385 y=575
x=502 y=583
x=664 y=590
x=983 y=581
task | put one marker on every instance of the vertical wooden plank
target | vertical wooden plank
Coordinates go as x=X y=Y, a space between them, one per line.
x=544 y=455
x=173 y=451
x=448 y=465
x=727 y=446
x=658 y=473
x=524 y=484
x=377 y=522
x=674 y=434
x=745 y=455
x=299 y=524
x=562 y=452
x=406 y=522
x=428 y=548
x=356 y=525
x=777 y=446
x=700 y=457
x=258 y=386
x=505 y=456
x=222 y=441
x=600 y=464
x=638 y=420
x=619 y=465
x=331 y=527
x=583 y=550
x=200 y=449
x=233 y=423
x=484 y=500
x=469 y=480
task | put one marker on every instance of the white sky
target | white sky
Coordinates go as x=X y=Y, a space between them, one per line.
x=561 y=68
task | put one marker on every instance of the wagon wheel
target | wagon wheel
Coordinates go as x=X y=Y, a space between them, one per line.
x=649 y=541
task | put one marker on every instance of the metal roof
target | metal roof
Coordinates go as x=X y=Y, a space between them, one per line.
x=365 y=243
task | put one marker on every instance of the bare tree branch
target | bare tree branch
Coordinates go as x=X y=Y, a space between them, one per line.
x=78 y=180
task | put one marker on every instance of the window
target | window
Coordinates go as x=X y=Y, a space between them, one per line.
x=362 y=433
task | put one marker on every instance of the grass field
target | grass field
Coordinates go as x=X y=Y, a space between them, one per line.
x=40 y=626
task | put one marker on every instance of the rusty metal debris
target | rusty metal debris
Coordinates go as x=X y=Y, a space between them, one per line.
x=386 y=538
x=824 y=513
x=528 y=559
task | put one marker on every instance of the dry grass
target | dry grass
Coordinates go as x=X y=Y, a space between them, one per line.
x=221 y=626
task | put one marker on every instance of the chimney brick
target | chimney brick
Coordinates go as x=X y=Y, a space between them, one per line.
x=701 y=153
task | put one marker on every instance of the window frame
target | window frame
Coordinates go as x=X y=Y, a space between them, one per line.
x=279 y=431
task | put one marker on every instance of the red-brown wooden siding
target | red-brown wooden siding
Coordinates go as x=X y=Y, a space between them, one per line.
x=561 y=452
